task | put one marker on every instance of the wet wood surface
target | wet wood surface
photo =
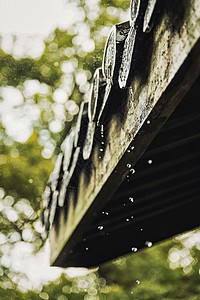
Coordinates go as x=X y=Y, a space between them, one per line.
x=166 y=64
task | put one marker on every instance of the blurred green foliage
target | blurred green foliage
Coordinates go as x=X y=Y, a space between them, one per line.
x=25 y=168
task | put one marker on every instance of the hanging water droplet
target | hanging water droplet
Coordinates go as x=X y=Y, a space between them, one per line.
x=100 y=227
x=124 y=204
x=84 y=239
x=102 y=143
x=131 y=199
x=134 y=249
x=137 y=282
x=132 y=217
x=132 y=171
x=99 y=156
x=149 y=161
x=128 y=151
x=86 y=248
x=127 y=176
x=101 y=149
x=141 y=229
x=148 y=244
x=127 y=220
x=148 y=122
x=132 y=148
x=128 y=166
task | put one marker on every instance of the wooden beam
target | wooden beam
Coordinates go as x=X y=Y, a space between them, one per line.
x=166 y=64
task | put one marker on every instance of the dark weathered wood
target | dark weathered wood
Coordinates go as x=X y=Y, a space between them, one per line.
x=148 y=15
x=134 y=9
x=110 y=66
x=97 y=95
x=88 y=144
x=167 y=66
x=81 y=125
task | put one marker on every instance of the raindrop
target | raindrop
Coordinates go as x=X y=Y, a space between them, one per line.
x=148 y=244
x=149 y=161
x=131 y=199
x=100 y=227
x=30 y=180
x=84 y=239
x=127 y=220
x=105 y=213
x=148 y=122
x=137 y=281
x=128 y=151
x=132 y=217
x=102 y=143
x=134 y=249
x=129 y=166
x=101 y=149
x=99 y=156
x=132 y=148
x=132 y=171
x=141 y=229
x=127 y=176
x=86 y=248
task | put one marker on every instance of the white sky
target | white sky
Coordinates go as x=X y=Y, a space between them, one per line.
x=33 y=16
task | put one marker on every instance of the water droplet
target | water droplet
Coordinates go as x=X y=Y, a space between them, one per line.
x=100 y=227
x=99 y=156
x=134 y=249
x=132 y=171
x=84 y=239
x=128 y=151
x=127 y=220
x=86 y=248
x=148 y=244
x=101 y=149
x=137 y=282
x=102 y=143
x=141 y=229
x=149 y=161
x=148 y=122
x=105 y=213
x=30 y=180
x=124 y=204
x=132 y=148
x=128 y=166
x=131 y=199
x=127 y=176
x=132 y=217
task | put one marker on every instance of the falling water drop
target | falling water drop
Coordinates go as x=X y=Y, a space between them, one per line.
x=100 y=227
x=134 y=249
x=127 y=220
x=132 y=148
x=148 y=122
x=86 y=248
x=101 y=149
x=148 y=244
x=128 y=166
x=149 y=161
x=132 y=171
